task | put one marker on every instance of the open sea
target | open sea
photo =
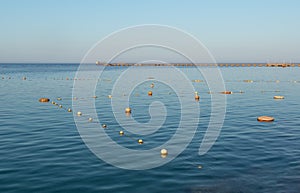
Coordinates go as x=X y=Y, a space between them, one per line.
x=41 y=149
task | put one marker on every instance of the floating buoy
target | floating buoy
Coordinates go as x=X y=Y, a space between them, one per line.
x=90 y=119
x=163 y=152
x=104 y=126
x=109 y=96
x=226 y=92
x=60 y=106
x=150 y=93
x=278 y=97
x=140 y=141
x=79 y=113
x=200 y=167
x=44 y=100
x=24 y=78
x=59 y=99
x=53 y=102
x=94 y=97
x=265 y=119
x=197 y=97
x=197 y=80
x=152 y=85
x=128 y=110
x=74 y=98
x=69 y=110
x=121 y=133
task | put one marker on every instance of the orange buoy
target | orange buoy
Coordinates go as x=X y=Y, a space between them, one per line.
x=150 y=93
x=128 y=110
x=44 y=100
x=265 y=119
x=226 y=92
x=278 y=97
x=197 y=97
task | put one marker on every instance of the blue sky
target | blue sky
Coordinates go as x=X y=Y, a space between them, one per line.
x=233 y=30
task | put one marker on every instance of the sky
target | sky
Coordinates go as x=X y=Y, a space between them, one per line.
x=232 y=30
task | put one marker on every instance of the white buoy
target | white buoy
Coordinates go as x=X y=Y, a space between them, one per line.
x=79 y=113
x=128 y=110
x=69 y=110
x=121 y=133
x=278 y=97
x=104 y=126
x=140 y=141
x=163 y=152
x=109 y=96
x=90 y=119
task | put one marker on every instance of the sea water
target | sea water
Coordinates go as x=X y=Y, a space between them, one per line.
x=41 y=149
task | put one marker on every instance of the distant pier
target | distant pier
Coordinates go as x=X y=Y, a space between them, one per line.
x=282 y=65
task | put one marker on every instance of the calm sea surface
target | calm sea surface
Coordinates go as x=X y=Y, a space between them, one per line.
x=41 y=149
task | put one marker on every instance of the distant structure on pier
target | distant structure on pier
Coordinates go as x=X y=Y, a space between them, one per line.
x=283 y=65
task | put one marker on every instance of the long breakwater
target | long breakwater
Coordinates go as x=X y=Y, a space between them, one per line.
x=283 y=65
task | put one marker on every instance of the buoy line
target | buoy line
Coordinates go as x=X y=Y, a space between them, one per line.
x=89 y=118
